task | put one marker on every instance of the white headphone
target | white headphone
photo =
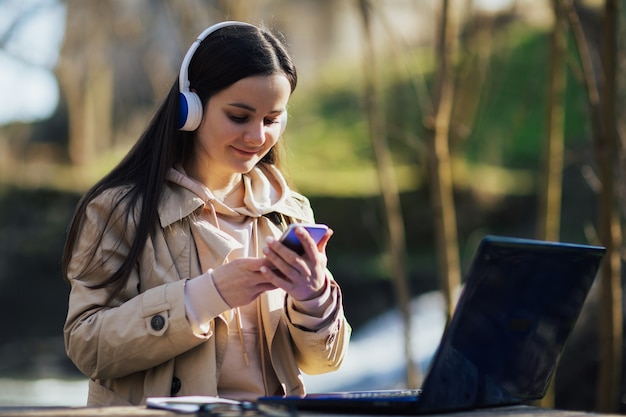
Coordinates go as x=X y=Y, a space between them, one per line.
x=190 y=107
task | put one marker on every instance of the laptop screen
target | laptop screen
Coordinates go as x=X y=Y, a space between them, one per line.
x=520 y=302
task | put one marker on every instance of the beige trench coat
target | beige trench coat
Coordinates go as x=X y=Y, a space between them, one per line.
x=142 y=344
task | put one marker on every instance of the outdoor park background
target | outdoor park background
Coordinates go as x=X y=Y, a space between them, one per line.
x=80 y=80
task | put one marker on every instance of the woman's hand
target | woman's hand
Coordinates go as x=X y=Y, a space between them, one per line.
x=303 y=277
x=240 y=281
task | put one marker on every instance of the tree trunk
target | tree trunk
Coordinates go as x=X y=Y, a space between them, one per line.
x=440 y=165
x=550 y=198
x=603 y=122
x=389 y=190
x=86 y=78
x=611 y=315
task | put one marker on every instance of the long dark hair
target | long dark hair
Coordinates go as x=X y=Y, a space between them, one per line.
x=223 y=58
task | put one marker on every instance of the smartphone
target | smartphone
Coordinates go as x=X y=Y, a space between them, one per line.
x=289 y=238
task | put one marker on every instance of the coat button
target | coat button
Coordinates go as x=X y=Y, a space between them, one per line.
x=176 y=385
x=157 y=322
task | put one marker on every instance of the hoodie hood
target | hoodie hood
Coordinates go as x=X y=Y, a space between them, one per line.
x=265 y=191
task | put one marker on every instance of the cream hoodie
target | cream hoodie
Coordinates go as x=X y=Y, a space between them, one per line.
x=244 y=364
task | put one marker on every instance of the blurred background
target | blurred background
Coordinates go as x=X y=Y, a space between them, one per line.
x=418 y=127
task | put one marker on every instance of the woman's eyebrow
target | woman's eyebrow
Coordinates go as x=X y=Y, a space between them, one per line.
x=252 y=109
x=243 y=106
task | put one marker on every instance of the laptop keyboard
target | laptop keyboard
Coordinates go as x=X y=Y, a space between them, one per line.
x=377 y=394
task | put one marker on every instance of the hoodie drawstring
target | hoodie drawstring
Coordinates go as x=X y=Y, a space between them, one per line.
x=236 y=312
x=240 y=330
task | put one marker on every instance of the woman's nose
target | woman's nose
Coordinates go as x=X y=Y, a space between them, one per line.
x=255 y=134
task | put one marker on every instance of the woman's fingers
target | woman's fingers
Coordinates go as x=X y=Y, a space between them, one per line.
x=239 y=282
x=301 y=276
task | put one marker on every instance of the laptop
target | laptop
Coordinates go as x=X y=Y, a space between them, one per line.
x=519 y=304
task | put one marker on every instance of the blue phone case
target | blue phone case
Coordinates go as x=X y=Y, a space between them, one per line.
x=290 y=239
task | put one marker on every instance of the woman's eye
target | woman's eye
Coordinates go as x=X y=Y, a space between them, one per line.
x=269 y=122
x=238 y=119
x=245 y=118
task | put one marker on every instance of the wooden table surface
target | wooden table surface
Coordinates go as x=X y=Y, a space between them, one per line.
x=138 y=411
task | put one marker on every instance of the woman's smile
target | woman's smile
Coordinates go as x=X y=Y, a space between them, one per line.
x=245 y=152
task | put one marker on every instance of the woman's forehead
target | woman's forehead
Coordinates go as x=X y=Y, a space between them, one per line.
x=268 y=93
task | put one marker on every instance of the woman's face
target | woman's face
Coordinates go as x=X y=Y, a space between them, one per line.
x=240 y=125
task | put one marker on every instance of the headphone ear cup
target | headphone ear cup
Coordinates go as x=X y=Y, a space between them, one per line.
x=189 y=111
x=283 y=122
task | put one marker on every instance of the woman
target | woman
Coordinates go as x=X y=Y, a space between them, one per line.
x=179 y=285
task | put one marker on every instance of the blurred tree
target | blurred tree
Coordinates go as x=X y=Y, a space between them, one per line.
x=389 y=189
x=601 y=101
x=550 y=197
x=111 y=45
x=86 y=78
x=439 y=163
x=549 y=215
x=606 y=146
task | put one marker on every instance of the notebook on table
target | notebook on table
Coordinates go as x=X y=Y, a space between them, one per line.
x=519 y=304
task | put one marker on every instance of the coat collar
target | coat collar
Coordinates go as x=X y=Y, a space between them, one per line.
x=177 y=203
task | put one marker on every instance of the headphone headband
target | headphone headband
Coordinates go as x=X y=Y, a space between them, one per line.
x=190 y=105
x=183 y=77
